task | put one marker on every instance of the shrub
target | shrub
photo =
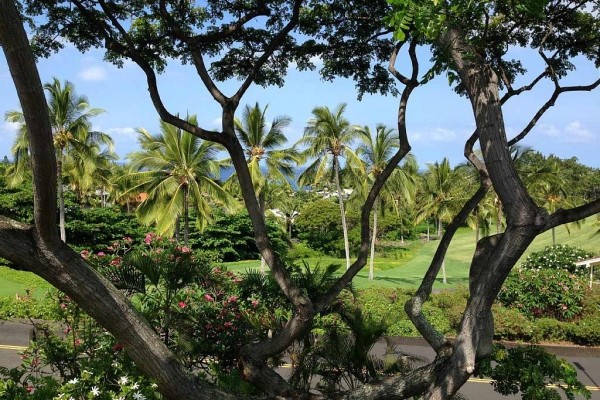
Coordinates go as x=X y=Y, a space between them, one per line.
x=558 y=257
x=554 y=293
x=511 y=324
x=585 y=332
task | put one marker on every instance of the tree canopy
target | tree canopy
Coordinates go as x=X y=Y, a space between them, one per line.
x=255 y=42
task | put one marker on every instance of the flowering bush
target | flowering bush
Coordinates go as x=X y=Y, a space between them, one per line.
x=74 y=358
x=195 y=308
x=558 y=257
x=553 y=293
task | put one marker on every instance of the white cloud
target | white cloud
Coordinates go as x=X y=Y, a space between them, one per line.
x=437 y=134
x=93 y=73
x=573 y=132
x=9 y=128
x=550 y=130
x=126 y=131
x=577 y=133
x=217 y=122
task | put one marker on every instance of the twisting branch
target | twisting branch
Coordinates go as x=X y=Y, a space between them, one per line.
x=558 y=90
x=268 y=51
x=195 y=50
x=563 y=216
x=130 y=51
x=380 y=181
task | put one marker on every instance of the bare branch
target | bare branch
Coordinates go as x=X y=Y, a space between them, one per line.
x=558 y=90
x=563 y=216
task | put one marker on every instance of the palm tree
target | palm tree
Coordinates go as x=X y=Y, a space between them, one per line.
x=376 y=155
x=176 y=169
x=441 y=197
x=327 y=138
x=70 y=120
x=262 y=144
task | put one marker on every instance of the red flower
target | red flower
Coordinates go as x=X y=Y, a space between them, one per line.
x=117 y=347
x=181 y=304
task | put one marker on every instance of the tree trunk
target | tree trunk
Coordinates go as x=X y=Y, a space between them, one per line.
x=439 y=228
x=373 y=238
x=61 y=199
x=186 y=216
x=444 y=280
x=553 y=237
x=336 y=169
x=476 y=212
x=261 y=205
x=428 y=229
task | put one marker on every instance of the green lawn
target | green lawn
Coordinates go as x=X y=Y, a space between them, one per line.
x=388 y=272
x=409 y=273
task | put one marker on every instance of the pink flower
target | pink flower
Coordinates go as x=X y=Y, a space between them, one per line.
x=148 y=238
x=232 y=299
x=185 y=249
x=101 y=254
x=85 y=253
x=227 y=324
x=208 y=297
x=255 y=303
x=181 y=304
x=63 y=306
x=116 y=261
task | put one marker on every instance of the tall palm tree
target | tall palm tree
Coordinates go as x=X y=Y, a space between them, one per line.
x=376 y=153
x=441 y=196
x=262 y=143
x=176 y=169
x=327 y=138
x=70 y=120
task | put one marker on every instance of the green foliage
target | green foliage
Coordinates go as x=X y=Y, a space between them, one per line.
x=544 y=293
x=529 y=370
x=74 y=358
x=92 y=228
x=320 y=226
x=558 y=257
x=24 y=307
x=17 y=202
x=232 y=236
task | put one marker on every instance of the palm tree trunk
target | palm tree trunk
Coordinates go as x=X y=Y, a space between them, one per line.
x=476 y=211
x=177 y=233
x=444 y=280
x=439 y=229
x=336 y=169
x=186 y=222
x=553 y=237
x=61 y=200
x=428 y=229
x=373 y=241
x=261 y=205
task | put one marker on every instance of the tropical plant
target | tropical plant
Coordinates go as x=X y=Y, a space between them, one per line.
x=376 y=153
x=327 y=138
x=176 y=169
x=70 y=116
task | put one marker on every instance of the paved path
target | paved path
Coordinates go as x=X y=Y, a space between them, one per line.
x=14 y=337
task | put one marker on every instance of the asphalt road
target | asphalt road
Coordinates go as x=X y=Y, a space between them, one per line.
x=14 y=337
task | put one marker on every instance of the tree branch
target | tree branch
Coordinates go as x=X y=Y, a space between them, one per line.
x=563 y=216
x=268 y=52
x=21 y=64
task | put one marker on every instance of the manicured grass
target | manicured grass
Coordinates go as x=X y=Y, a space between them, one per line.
x=388 y=272
x=400 y=273
x=16 y=282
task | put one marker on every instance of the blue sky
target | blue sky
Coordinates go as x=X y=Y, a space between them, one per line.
x=439 y=121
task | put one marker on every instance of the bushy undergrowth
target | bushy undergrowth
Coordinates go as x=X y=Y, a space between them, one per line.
x=558 y=257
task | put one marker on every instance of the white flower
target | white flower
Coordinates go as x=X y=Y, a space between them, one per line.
x=154 y=386
x=95 y=392
x=135 y=386
x=123 y=380
x=73 y=381
x=139 y=396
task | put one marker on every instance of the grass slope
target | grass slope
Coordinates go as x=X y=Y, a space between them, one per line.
x=388 y=272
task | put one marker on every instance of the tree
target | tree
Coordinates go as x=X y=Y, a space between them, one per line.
x=262 y=149
x=72 y=135
x=468 y=41
x=376 y=154
x=176 y=170
x=326 y=139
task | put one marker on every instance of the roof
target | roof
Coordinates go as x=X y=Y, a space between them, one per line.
x=588 y=261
